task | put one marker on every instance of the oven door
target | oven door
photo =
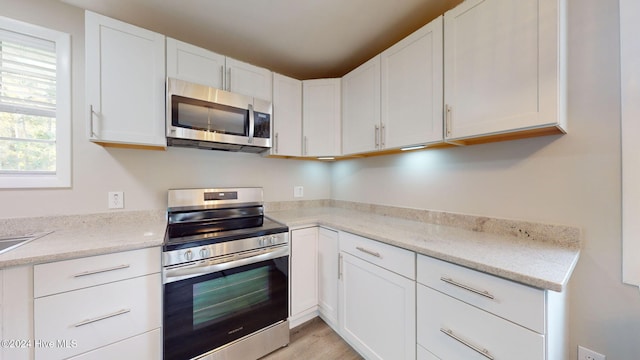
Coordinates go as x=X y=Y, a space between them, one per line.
x=204 y=312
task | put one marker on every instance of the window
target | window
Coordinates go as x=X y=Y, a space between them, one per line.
x=35 y=112
x=630 y=107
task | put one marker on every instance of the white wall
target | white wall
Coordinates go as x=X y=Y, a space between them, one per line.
x=572 y=179
x=143 y=175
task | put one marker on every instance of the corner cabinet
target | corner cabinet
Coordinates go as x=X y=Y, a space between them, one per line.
x=192 y=63
x=321 y=119
x=411 y=85
x=328 y=271
x=504 y=70
x=125 y=77
x=16 y=313
x=304 y=275
x=361 y=128
x=287 y=116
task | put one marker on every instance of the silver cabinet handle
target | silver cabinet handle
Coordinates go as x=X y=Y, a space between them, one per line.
x=103 y=317
x=91 y=132
x=448 y=110
x=468 y=288
x=252 y=123
x=223 y=81
x=92 y=272
x=479 y=350
x=377 y=136
x=276 y=143
x=229 y=79
x=382 y=136
x=370 y=252
x=305 y=146
x=339 y=266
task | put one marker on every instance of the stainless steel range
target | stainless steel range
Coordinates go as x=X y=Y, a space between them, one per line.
x=225 y=276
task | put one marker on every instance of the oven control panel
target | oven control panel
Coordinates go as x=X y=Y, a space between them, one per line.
x=197 y=253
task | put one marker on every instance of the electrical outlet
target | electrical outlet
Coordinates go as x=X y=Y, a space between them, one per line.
x=298 y=191
x=586 y=354
x=116 y=200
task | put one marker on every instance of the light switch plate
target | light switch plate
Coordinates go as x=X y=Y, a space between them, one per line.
x=298 y=191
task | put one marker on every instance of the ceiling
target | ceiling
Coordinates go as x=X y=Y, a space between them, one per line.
x=304 y=39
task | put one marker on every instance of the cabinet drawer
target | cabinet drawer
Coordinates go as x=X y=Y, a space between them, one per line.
x=61 y=276
x=146 y=346
x=451 y=329
x=97 y=316
x=392 y=258
x=515 y=302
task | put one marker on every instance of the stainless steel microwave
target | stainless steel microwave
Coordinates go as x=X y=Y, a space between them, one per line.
x=208 y=118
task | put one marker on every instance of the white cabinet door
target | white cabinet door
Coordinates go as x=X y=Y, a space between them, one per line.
x=377 y=310
x=361 y=127
x=412 y=89
x=16 y=312
x=304 y=270
x=321 y=117
x=194 y=64
x=328 y=276
x=287 y=116
x=247 y=79
x=503 y=63
x=125 y=77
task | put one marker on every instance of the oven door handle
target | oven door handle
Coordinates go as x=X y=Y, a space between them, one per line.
x=200 y=268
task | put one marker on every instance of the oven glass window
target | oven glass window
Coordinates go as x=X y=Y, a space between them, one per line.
x=218 y=298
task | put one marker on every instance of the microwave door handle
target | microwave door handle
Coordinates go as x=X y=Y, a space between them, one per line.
x=251 y=123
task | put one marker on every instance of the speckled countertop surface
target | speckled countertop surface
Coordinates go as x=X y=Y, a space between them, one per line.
x=545 y=264
x=82 y=235
x=539 y=255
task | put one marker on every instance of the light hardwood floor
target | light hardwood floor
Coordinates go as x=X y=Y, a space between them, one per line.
x=314 y=340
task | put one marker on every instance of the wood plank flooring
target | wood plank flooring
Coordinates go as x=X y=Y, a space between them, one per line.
x=314 y=340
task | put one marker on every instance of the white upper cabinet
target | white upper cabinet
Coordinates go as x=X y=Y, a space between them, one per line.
x=361 y=108
x=191 y=63
x=503 y=69
x=125 y=76
x=195 y=64
x=321 y=117
x=412 y=111
x=287 y=116
x=247 y=79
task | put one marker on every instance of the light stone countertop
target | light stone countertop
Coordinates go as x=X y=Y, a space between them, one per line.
x=539 y=255
x=545 y=264
x=82 y=235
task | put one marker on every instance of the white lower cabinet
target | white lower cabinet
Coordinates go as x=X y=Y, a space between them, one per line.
x=328 y=276
x=144 y=346
x=376 y=305
x=304 y=275
x=466 y=314
x=452 y=329
x=99 y=307
x=16 y=313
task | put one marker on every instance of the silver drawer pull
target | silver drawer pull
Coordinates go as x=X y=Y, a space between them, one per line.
x=103 y=317
x=370 y=252
x=479 y=350
x=92 y=272
x=468 y=288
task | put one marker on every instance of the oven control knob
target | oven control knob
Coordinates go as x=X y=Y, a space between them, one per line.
x=204 y=252
x=188 y=255
x=272 y=239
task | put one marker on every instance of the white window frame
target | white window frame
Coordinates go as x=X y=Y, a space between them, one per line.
x=62 y=176
x=630 y=126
